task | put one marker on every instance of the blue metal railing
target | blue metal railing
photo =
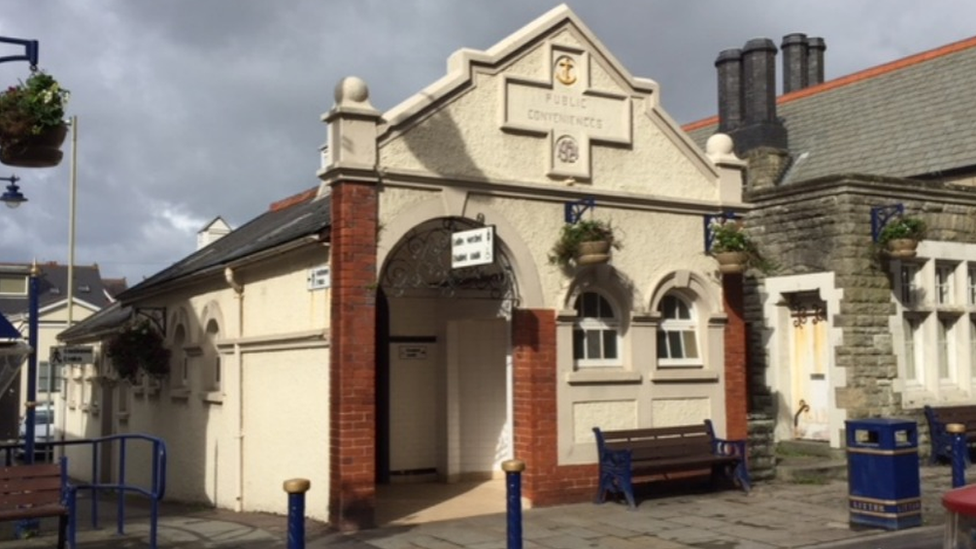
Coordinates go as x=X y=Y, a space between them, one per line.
x=155 y=492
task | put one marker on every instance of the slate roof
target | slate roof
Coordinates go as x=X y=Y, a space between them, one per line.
x=914 y=117
x=285 y=221
x=53 y=285
x=104 y=321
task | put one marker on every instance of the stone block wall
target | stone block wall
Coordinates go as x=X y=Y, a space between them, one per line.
x=825 y=226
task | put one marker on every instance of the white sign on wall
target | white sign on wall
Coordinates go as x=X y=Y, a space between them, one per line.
x=75 y=354
x=473 y=247
x=319 y=278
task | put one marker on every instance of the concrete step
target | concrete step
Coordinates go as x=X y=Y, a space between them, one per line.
x=809 y=448
x=810 y=470
x=804 y=461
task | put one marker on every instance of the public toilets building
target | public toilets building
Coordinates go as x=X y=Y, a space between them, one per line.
x=332 y=337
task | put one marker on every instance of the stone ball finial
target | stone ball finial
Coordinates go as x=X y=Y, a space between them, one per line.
x=719 y=145
x=350 y=91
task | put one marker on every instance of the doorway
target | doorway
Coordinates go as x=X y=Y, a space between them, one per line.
x=809 y=361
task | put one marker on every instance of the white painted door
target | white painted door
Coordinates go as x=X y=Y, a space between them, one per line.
x=809 y=356
x=414 y=404
x=479 y=423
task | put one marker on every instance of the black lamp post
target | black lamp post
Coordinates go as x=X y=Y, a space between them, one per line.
x=13 y=198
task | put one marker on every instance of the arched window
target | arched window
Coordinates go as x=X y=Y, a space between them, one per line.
x=596 y=332
x=178 y=362
x=677 y=339
x=213 y=332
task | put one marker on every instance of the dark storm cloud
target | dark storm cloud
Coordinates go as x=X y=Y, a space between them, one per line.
x=190 y=109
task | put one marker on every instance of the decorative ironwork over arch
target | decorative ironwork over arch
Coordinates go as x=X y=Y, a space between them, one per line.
x=806 y=305
x=421 y=261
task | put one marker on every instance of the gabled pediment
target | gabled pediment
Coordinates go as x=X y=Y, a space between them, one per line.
x=549 y=104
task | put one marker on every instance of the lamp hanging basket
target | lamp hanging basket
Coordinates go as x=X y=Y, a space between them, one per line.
x=731 y=262
x=593 y=252
x=42 y=150
x=901 y=248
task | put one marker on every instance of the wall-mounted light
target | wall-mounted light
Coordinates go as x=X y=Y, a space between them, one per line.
x=12 y=197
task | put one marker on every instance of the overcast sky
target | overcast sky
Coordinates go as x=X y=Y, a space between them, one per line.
x=190 y=109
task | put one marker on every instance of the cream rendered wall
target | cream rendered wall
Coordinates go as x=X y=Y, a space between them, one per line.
x=286 y=429
x=262 y=328
x=444 y=153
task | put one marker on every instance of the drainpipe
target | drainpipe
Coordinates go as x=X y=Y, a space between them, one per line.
x=238 y=288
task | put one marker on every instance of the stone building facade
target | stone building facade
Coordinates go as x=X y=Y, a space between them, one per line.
x=839 y=330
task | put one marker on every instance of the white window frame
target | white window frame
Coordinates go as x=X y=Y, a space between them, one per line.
x=912 y=326
x=598 y=324
x=943 y=283
x=909 y=284
x=971 y=283
x=690 y=325
x=18 y=277
x=946 y=347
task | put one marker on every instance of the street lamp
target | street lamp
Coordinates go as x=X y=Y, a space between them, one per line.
x=12 y=197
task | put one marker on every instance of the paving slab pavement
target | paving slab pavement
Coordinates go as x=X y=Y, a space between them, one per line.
x=774 y=515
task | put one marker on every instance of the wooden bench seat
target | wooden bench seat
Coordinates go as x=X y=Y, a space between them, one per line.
x=941 y=440
x=633 y=453
x=33 y=492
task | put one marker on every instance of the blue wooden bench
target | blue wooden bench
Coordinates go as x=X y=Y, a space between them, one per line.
x=635 y=453
x=941 y=441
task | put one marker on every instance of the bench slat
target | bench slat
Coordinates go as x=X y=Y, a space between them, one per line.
x=33 y=512
x=12 y=501
x=37 y=483
x=33 y=470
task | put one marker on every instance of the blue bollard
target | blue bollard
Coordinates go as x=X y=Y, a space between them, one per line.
x=296 y=489
x=959 y=453
x=513 y=483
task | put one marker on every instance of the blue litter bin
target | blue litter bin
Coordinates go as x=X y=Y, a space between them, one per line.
x=883 y=473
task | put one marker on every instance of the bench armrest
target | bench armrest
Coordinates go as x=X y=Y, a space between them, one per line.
x=616 y=460
x=724 y=447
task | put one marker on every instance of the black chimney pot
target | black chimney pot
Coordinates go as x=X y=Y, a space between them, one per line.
x=795 y=70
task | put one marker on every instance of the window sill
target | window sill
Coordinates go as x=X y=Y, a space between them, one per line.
x=677 y=374
x=123 y=417
x=212 y=397
x=595 y=376
x=180 y=393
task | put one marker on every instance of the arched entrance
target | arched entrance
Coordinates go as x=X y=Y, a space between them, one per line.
x=444 y=389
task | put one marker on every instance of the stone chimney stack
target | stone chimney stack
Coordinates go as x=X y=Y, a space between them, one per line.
x=815 y=60
x=795 y=63
x=759 y=79
x=760 y=126
x=729 y=66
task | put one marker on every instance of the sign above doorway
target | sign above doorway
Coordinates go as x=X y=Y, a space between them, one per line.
x=473 y=247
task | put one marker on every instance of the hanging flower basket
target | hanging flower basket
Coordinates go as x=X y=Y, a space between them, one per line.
x=593 y=252
x=586 y=242
x=32 y=127
x=902 y=248
x=901 y=235
x=36 y=151
x=731 y=262
x=138 y=348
